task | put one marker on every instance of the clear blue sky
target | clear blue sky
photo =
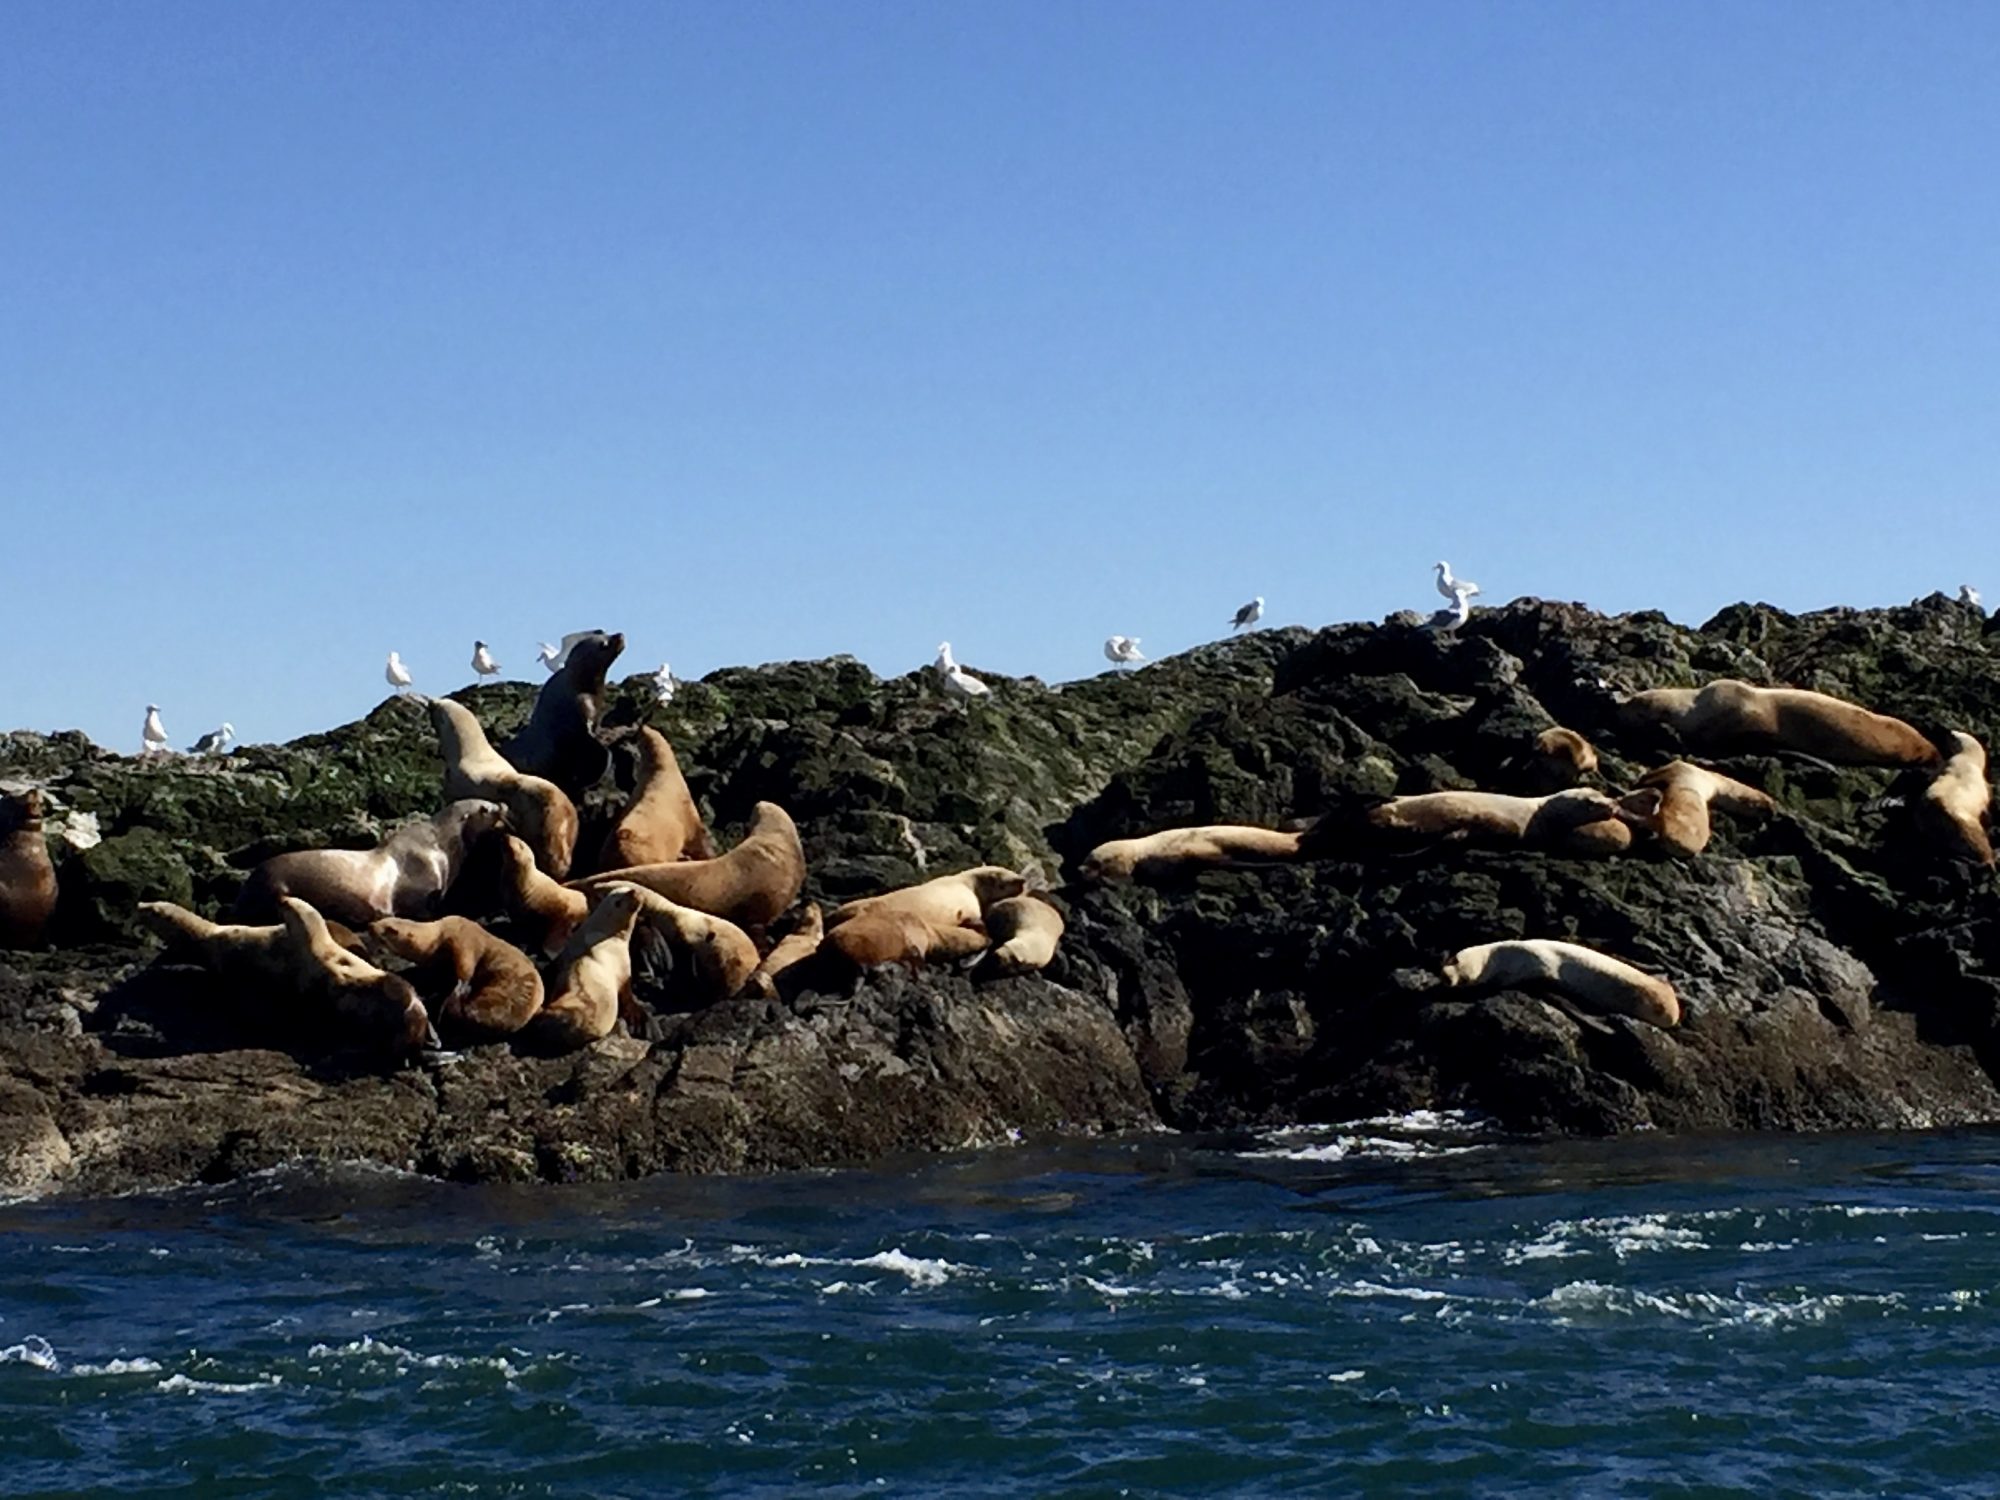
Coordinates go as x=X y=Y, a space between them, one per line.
x=766 y=331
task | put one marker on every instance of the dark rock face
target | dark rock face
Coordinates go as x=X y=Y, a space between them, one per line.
x=1835 y=970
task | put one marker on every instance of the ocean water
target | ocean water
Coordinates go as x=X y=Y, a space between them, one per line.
x=1407 y=1307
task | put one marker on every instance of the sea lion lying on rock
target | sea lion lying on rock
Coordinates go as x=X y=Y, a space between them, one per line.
x=1580 y=821
x=494 y=988
x=1595 y=980
x=560 y=741
x=893 y=935
x=403 y=876
x=27 y=875
x=753 y=883
x=590 y=987
x=711 y=956
x=1024 y=931
x=537 y=809
x=956 y=900
x=1673 y=802
x=1729 y=714
x=1956 y=806
x=1560 y=759
x=661 y=823
x=794 y=948
x=1185 y=850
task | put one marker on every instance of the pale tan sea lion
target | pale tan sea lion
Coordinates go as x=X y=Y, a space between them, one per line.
x=1175 y=850
x=892 y=936
x=1580 y=821
x=1024 y=931
x=494 y=986
x=1727 y=713
x=538 y=810
x=27 y=875
x=547 y=910
x=750 y=885
x=945 y=901
x=1958 y=802
x=1673 y=801
x=590 y=987
x=1560 y=760
x=660 y=824
x=403 y=876
x=1597 y=980
x=795 y=947
x=560 y=740
x=712 y=955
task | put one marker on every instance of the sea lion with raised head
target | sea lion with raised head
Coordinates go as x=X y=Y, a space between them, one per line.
x=794 y=947
x=1580 y=821
x=750 y=885
x=1185 y=850
x=590 y=987
x=546 y=910
x=560 y=740
x=660 y=824
x=1024 y=931
x=1958 y=802
x=537 y=809
x=1730 y=714
x=27 y=874
x=493 y=988
x=403 y=876
x=711 y=956
x=1596 y=980
x=945 y=901
x=1673 y=803
x=1561 y=758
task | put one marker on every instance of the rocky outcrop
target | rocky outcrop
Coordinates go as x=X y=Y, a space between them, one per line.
x=1835 y=968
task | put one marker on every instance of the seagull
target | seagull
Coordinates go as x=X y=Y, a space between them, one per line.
x=548 y=656
x=154 y=735
x=397 y=674
x=555 y=657
x=1452 y=587
x=1450 y=619
x=483 y=664
x=215 y=741
x=1967 y=594
x=1249 y=614
x=663 y=685
x=958 y=683
x=1123 y=650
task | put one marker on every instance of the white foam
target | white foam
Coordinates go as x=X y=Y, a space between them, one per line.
x=184 y=1385
x=368 y=1347
x=140 y=1366
x=32 y=1350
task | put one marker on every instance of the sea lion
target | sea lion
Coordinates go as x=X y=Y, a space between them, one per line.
x=757 y=880
x=403 y=876
x=297 y=956
x=946 y=901
x=1958 y=802
x=1728 y=714
x=711 y=955
x=1024 y=931
x=661 y=823
x=590 y=987
x=494 y=985
x=1674 y=801
x=537 y=809
x=1579 y=821
x=891 y=935
x=1597 y=980
x=27 y=874
x=1560 y=759
x=795 y=947
x=1187 y=849
x=546 y=909
x=560 y=741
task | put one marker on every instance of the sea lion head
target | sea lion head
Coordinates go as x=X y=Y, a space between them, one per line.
x=21 y=812
x=991 y=883
x=1641 y=809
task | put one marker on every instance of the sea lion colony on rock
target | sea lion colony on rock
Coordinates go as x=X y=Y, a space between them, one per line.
x=695 y=916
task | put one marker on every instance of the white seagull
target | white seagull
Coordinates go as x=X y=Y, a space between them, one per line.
x=958 y=683
x=1249 y=614
x=1123 y=650
x=1450 y=619
x=483 y=664
x=663 y=685
x=548 y=656
x=397 y=674
x=556 y=657
x=154 y=735
x=215 y=741
x=1452 y=587
x=1967 y=594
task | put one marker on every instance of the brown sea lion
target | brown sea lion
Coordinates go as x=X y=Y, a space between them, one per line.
x=1560 y=759
x=27 y=875
x=660 y=824
x=1958 y=802
x=946 y=901
x=547 y=911
x=1579 y=821
x=590 y=987
x=1728 y=714
x=1024 y=931
x=750 y=885
x=494 y=988
x=1674 y=801
x=712 y=956
x=795 y=947
x=893 y=936
x=403 y=876
x=1178 y=850
x=538 y=810
x=1597 y=980
x=560 y=741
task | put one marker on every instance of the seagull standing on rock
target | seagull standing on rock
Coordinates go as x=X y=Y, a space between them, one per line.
x=958 y=683
x=1452 y=587
x=215 y=741
x=1447 y=620
x=1248 y=615
x=154 y=735
x=397 y=674
x=663 y=685
x=1967 y=594
x=483 y=664
x=1123 y=650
